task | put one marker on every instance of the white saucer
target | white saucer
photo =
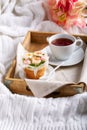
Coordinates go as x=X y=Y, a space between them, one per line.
x=49 y=69
x=75 y=58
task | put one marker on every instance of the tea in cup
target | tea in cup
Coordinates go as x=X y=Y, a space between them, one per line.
x=63 y=45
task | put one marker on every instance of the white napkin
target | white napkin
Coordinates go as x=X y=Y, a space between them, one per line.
x=20 y=52
x=83 y=77
x=41 y=88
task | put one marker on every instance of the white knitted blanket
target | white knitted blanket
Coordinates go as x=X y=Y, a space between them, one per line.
x=26 y=113
x=30 y=113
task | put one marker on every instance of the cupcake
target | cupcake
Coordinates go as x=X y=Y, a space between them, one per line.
x=35 y=64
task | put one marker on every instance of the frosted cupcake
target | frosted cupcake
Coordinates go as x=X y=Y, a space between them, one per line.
x=35 y=64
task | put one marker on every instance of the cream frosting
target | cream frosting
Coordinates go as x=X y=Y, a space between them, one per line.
x=35 y=60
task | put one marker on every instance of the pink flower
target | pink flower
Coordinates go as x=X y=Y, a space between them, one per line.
x=74 y=0
x=43 y=58
x=27 y=61
x=51 y=2
x=67 y=13
x=65 y=5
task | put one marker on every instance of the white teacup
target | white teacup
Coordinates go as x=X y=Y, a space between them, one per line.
x=63 y=45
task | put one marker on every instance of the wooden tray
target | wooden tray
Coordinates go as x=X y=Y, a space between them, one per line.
x=35 y=41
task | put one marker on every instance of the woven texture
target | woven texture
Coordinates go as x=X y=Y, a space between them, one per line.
x=22 y=113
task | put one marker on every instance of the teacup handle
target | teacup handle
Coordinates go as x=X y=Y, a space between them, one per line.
x=79 y=43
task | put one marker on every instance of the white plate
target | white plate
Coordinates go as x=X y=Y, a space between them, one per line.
x=50 y=68
x=75 y=58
